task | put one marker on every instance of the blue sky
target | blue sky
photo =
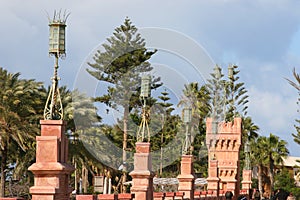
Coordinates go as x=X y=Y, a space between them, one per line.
x=261 y=36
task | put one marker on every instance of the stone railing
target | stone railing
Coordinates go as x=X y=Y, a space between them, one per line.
x=198 y=195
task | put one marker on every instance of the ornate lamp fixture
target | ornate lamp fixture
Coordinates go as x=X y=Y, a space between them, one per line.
x=247 y=151
x=187 y=118
x=53 y=108
x=145 y=93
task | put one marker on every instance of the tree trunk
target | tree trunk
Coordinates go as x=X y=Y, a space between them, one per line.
x=271 y=174
x=124 y=157
x=260 y=174
x=3 y=173
x=84 y=175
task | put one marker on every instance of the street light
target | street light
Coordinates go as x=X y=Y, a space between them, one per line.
x=187 y=118
x=217 y=72
x=247 y=151
x=53 y=108
x=146 y=86
x=145 y=93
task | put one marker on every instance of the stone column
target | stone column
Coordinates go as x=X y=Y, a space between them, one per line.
x=142 y=175
x=186 y=177
x=246 y=183
x=213 y=179
x=51 y=171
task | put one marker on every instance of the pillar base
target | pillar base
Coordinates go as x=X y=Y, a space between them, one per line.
x=186 y=178
x=142 y=175
x=247 y=182
x=51 y=171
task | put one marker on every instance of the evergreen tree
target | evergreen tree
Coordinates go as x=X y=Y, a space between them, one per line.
x=198 y=97
x=296 y=85
x=168 y=126
x=216 y=88
x=121 y=64
x=236 y=95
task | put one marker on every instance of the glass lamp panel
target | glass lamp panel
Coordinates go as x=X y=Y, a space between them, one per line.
x=187 y=112
x=145 y=86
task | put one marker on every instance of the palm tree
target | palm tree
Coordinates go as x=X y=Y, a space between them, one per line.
x=296 y=85
x=276 y=151
x=18 y=116
x=266 y=152
x=249 y=128
x=258 y=157
x=81 y=116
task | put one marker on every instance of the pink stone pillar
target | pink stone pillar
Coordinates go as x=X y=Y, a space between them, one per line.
x=213 y=179
x=142 y=175
x=51 y=171
x=246 y=183
x=186 y=177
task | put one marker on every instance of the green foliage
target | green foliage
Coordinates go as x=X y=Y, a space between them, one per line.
x=228 y=96
x=285 y=180
x=266 y=152
x=236 y=94
x=121 y=64
x=216 y=88
x=197 y=98
x=20 y=110
x=296 y=85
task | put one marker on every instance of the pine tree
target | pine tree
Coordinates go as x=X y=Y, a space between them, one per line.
x=236 y=95
x=168 y=126
x=121 y=64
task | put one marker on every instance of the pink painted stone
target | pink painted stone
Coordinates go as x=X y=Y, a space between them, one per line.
x=186 y=177
x=107 y=196
x=158 y=195
x=246 y=182
x=142 y=147
x=142 y=175
x=170 y=195
x=86 y=197
x=51 y=170
x=125 y=196
x=224 y=147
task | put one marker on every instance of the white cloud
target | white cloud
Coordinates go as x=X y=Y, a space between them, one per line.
x=258 y=35
x=273 y=112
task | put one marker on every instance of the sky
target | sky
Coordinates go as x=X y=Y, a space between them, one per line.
x=262 y=37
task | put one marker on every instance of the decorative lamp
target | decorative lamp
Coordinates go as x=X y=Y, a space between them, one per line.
x=217 y=72
x=146 y=86
x=187 y=115
x=57 y=25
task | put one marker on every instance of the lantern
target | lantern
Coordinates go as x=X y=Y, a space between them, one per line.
x=187 y=115
x=146 y=86
x=217 y=72
x=57 y=38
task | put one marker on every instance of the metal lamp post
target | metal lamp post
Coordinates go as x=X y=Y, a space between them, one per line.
x=145 y=93
x=247 y=155
x=187 y=118
x=53 y=108
x=217 y=107
x=217 y=72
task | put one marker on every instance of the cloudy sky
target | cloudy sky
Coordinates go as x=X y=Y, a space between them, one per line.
x=261 y=36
